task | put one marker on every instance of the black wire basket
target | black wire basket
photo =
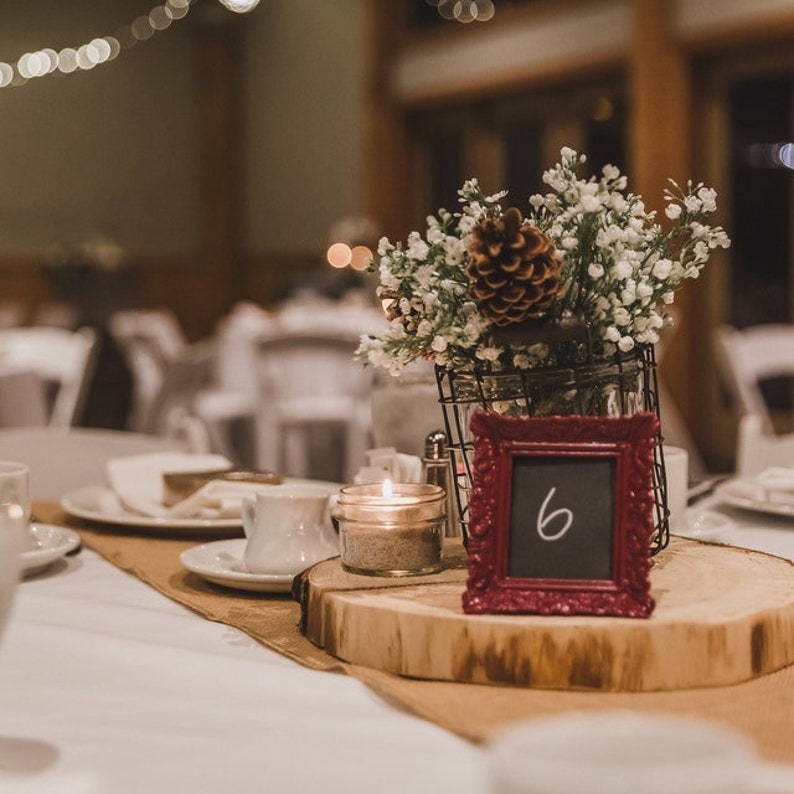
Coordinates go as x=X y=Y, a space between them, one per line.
x=620 y=386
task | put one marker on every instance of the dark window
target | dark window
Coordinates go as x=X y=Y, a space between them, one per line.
x=446 y=172
x=523 y=166
x=605 y=133
x=760 y=230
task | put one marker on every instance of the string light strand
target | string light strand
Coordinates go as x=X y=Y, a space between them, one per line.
x=464 y=11
x=88 y=55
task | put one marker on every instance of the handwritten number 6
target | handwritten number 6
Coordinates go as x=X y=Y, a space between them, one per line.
x=544 y=520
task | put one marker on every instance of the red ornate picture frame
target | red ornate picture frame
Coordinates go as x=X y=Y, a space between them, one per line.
x=561 y=515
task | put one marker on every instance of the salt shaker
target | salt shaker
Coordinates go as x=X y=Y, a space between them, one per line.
x=437 y=470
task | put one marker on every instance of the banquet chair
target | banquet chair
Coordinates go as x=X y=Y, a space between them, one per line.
x=750 y=356
x=23 y=399
x=758 y=449
x=746 y=359
x=170 y=374
x=310 y=382
x=63 y=360
x=63 y=460
x=148 y=339
x=57 y=314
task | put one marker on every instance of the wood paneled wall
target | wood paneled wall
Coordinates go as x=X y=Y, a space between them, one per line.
x=662 y=49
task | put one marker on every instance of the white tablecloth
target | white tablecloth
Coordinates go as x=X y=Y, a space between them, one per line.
x=107 y=686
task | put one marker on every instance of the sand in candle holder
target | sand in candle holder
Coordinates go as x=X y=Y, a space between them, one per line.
x=396 y=534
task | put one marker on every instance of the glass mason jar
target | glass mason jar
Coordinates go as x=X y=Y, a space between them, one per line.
x=619 y=386
x=391 y=533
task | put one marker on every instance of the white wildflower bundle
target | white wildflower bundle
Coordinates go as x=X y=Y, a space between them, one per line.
x=619 y=268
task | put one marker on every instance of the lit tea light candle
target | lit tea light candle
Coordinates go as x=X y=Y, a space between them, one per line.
x=391 y=529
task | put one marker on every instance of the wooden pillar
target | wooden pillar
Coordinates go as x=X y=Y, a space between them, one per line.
x=661 y=148
x=221 y=136
x=386 y=160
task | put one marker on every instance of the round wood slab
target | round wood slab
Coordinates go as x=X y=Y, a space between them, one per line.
x=723 y=615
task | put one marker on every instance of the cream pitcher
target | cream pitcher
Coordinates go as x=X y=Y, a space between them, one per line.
x=288 y=528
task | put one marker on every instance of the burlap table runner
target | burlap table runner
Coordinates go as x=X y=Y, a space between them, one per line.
x=762 y=708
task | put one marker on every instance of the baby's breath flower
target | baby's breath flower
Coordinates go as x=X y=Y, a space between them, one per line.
x=661 y=270
x=625 y=344
x=621 y=316
x=417 y=247
x=489 y=353
x=466 y=224
x=619 y=268
x=693 y=203
x=595 y=270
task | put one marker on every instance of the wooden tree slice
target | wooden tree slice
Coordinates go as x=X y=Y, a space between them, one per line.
x=723 y=615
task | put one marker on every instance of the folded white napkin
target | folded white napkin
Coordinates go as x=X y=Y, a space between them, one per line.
x=387 y=463
x=137 y=481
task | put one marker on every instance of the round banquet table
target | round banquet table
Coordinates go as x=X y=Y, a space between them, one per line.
x=108 y=686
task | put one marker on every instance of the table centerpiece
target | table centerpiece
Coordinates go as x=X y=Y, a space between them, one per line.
x=552 y=313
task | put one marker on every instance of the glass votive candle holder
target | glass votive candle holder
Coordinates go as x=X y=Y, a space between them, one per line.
x=390 y=529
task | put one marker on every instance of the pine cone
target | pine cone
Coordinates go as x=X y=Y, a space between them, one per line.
x=513 y=269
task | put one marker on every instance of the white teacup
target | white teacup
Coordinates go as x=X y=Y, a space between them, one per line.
x=288 y=528
x=621 y=753
x=14 y=532
x=15 y=485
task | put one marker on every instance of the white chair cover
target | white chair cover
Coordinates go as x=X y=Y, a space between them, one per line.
x=308 y=381
x=746 y=358
x=61 y=358
x=170 y=375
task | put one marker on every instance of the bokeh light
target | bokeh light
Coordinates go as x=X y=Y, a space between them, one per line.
x=99 y=50
x=603 y=109
x=159 y=18
x=240 y=6
x=142 y=28
x=67 y=60
x=465 y=11
x=339 y=255
x=771 y=155
x=360 y=257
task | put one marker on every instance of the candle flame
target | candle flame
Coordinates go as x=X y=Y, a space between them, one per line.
x=388 y=491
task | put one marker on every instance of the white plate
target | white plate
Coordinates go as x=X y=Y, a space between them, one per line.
x=50 y=544
x=100 y=503
x=221 y=562
x=703 y=525
x=749 y=495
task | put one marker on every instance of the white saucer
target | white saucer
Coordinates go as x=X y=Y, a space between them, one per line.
x=50 y=544
x=99 y=503
x=221 y=562
x=702 y=525
x=750 y=495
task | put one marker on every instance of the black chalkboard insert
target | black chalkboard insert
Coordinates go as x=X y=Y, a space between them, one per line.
x=561 y=518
